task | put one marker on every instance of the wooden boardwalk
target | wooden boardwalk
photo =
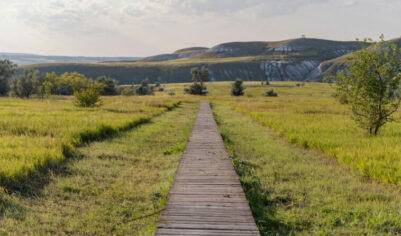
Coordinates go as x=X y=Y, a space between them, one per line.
x=206 y=197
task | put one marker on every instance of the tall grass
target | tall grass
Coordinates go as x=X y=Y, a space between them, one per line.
x=308 y=116
x=35 y=134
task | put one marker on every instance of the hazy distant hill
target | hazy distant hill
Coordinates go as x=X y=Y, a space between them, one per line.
x=26 y=59
x=294 y=59
x=182 y=53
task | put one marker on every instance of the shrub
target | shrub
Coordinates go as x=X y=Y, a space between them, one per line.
x=144 y=88
x=161 y=89
x=171 y=93
x=270 y=93
x=110 y=85
x=238 y=89
x=89 y=97
x=128 y=91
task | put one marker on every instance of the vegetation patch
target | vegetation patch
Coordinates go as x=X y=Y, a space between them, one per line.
x=292 y=191
x=47 y=131
x=118 y=187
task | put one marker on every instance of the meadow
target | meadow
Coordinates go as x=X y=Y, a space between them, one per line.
x=305 y=166
x=37 y=134
x=310 y=117
x=114 y=187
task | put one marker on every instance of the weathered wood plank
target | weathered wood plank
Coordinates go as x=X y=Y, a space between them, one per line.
x=206 y=197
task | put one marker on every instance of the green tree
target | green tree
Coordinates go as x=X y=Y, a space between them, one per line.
x=89 y=96
x=110 y=85
x=25 y=85
x=48 y=84
x=199 y=76
x=371 y=84
x=73 y=82
x=7 y=70
x=237 y=89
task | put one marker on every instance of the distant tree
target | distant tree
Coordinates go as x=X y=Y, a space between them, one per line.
x=371 y=84
x=48 y=84
x=7 y=70
x=237 y=89
x=25 y=85
x=199 y=76
x=89 y=96
x=144 y=88
x=110 y=85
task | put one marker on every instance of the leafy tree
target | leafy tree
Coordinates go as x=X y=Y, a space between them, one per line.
x=73 y=82
x=199 y=76
x=7 y=70
x=144 y=88
x=238 y=89
x=25 y=85
x=49 y=84
x=89 y=96
x=110 y=85
x=371 y=84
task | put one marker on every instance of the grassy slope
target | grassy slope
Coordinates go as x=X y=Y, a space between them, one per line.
x=46 y=131
x=293 y=191
x=110 y=187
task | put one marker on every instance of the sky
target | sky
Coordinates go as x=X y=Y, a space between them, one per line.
x=150 y=27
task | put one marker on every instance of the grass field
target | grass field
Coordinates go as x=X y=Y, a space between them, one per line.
x=310 y=117
x=305 y=166
x=36 y=134
x=293 y=191
x=114 y=187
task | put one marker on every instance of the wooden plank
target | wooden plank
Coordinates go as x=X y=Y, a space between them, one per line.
x=206 y=197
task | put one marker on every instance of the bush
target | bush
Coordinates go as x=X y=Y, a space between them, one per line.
x=127 y=91
x=270 y=93
x=89 y=97
x=110 y=85
x=144 y=88
x=196 y=89
x=161 y=89
x=171 y=93
x=238 y=89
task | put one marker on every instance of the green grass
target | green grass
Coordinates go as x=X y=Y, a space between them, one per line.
x=116 y=187
x=295 y=191
x=36 y=134
x=309 y=117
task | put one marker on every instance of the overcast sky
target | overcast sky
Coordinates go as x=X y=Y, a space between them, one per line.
x=148 y=27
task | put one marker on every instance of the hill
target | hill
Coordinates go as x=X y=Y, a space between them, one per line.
x=27 y=59
x=333 y=66
x=287 y=60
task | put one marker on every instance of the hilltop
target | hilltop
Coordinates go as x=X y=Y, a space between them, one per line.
x=287 y=60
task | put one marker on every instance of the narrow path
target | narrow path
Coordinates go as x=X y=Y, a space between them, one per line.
x=206 y=197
